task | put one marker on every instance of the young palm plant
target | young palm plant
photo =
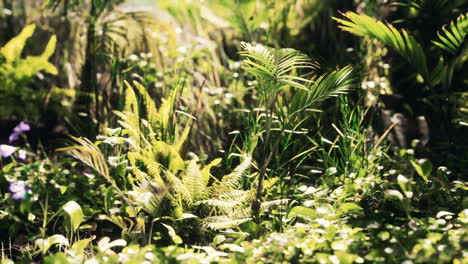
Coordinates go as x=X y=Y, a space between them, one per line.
x=436 y=83
x=286 y=96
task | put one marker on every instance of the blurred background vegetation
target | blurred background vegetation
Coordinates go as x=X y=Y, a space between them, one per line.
x=169 y=89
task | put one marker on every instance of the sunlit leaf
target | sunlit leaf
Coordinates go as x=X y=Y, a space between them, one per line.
x=73 y=209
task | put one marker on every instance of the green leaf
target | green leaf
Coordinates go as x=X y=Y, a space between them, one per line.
x=173 y=234
x=423 y=167
x=12 y=50
x=394 y=194
x=45 y=244
x=73 y=209
x=348 y=207
x=444 y=214
x=302 y=212
x=399 y=40
x=452 y=37
x=219 y=239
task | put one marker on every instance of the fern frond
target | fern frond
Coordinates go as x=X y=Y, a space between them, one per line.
x=143 y=169
x=206 y=170
x=399 y=40
x=452 y=37
x=131 y=103
x=178 y=187
x=223 y=205
x=223 y=222
x=195 y=182
x=168 y=156
x=270 y=204
x=165 y=114
x=182 y=139
x=150 y=107
x=232 y=181
x=12 y=50
x=233 y=195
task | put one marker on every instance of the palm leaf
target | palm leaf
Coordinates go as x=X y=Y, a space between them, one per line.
x=326 y=86
x=399 y=40
x=89 y=154
x=273 y=66
x=452 y=37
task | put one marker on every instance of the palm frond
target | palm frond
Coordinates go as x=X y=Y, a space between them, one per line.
x=326 y=86
x=399 y=40
x=452 y=37
x=88 y=153
x=273 y=66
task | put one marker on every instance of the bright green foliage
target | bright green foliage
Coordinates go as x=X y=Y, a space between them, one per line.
x=17 y=73
x=276 y=70
x=227 y=153
x=452 y=37
x=399 y=40
x=159 y=180
x=273 y=68
x=73 y=209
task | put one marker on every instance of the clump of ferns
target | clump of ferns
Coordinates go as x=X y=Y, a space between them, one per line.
x=158 y=180
x=229 y=204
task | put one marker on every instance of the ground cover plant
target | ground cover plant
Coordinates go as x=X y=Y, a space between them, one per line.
x=253 y=131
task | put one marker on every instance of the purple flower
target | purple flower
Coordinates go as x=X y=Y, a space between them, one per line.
x=6 y=150
x=13 y=137
x=22 y=154
x=20 y=128
x=19 y=190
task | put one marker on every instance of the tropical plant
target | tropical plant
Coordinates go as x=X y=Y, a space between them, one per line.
x=17 y=74
x=149 y=173
x=437 y=73
x=285 y=96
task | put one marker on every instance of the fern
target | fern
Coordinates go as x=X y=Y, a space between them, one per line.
x=195 y=182
x=179 y=188
x=399 y=40
x=12 y=50
x=16 y=95
x=232 y=180
x=150 y=107
x=223 y=222
x=452 y=37
x=148 y=196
